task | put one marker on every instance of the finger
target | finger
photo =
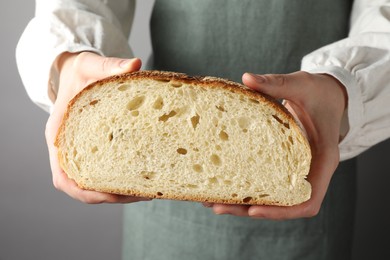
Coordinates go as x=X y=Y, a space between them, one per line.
x=279 y=86
x=236 y=210
x=113 y=198
x=94 y=66
x=305 y=210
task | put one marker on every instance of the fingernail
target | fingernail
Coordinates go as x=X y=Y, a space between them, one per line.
x=124 y=63
x=207 y=204
x=258 y=78
x=144 y=199
x=222 y=213
x=254 y=213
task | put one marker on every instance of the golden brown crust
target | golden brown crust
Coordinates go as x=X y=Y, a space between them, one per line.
x=183 y=198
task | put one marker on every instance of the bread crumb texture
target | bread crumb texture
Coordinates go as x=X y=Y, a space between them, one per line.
x=171 y=136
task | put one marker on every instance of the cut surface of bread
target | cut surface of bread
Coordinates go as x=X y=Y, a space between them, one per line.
x=168 y=135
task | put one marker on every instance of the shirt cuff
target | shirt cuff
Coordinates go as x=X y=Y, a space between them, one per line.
x=352 y=119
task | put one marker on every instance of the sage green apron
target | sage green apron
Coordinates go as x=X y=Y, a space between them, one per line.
x=226 y=38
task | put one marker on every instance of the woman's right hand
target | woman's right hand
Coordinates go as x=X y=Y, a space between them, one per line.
x=77 y=70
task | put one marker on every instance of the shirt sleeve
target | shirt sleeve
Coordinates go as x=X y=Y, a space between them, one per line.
x=100 y=26
x=361 y=63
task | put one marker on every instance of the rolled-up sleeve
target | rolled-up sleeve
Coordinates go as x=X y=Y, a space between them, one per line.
x=72 y=26
x=362 y=63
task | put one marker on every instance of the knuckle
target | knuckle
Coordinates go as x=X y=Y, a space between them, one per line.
x=307 y=77
x=312 y=211
x=88 y=200
x=80 y=58
x=78 y=61
x=106 y=64
x=47 y=128
x=57 y=184
x=281 y=79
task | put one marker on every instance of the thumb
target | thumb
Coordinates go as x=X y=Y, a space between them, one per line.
x=95 y=66
x=279 y=86
x=117 y=66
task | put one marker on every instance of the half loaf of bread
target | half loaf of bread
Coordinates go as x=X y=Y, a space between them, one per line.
x=168 y=135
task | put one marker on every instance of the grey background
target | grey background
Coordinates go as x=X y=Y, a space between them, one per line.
x=38 y=222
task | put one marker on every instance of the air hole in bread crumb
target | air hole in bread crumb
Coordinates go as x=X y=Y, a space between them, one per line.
x=218 y=147
x=254 y=101
x=234 y=195
x=215 y=159
x=280 y=121
x=158 y=103
x=135 y=113
x=165 y=117
x=263 y=195
x=94 y=149
x=213 y=180
x=181 y=151
x=163 y=80
x=123 y=87
x=195 y=121
x=220 y=114
x=288 y=146
x=220 y=108
x=148 y=175
x=111 y=136
x=135 y=103
x=277 y=119
x=197 y=168
x=215 y=121
x=93 y=102
x=159 y=193
x=251 y=159
x=192 y=186
x=176 y=84
x=291 y=140
x=244 y=123
x=227 y=182
x=247 y=199
x=223 y=136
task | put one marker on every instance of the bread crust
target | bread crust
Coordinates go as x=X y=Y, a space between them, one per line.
x=184 y=198
x=204 y=81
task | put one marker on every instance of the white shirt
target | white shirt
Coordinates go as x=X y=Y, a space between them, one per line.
x=361 y=61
